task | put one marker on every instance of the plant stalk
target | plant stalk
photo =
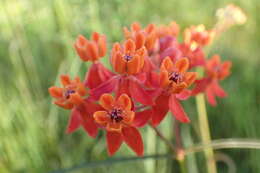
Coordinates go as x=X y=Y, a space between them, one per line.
x=205 y=132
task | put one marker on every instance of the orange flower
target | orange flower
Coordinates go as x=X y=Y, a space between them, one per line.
x=70 y=94
x=210 y=84
x=198 y=36
x=217 y=70
x=171 y=30
x=128 y=59
x=117 y=113
x=142 y=37
x=91 y=50
x=118 y=119
x=174 y=77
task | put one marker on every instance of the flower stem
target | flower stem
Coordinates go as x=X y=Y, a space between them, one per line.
x=205 y=132
x=165 y=140
x=179 y=147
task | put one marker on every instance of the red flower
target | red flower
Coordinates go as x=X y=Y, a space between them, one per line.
x=70 y=94
x=195 y=55
x=91 y=50
x=174 y=80
x=142 y=37
x=210 y=85
x=128 y=59
x=82 y=115
x=117 y=120
x=173 y=77
x=171 y=30
x=96 y=75
x=198 y=36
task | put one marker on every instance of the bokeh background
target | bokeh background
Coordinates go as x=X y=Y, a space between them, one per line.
x=36 y=40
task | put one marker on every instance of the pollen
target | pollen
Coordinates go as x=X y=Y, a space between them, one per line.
x=115 y=115
x=128 y=57
x=175 y=77
x=68 y=93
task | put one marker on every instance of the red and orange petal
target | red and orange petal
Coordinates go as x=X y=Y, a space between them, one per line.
x=198 y=36
x=171 y=30
x=91 y=50
x=216 y=69
x=177 y=110
x=190 y=77
x=123 y=103
x=130 y=66
x=97 y=75
x=71 y=94
x=142 y=37
x=130 y=135
x=160 y=109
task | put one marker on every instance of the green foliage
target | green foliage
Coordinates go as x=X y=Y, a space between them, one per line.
x=36 y=45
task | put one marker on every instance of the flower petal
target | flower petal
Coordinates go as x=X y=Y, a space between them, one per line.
x=65 y=80
x=139 y=40
x=92 y=50
x=74 y=122
x=182 y=64
x=128 y=117
x=167 y=64
x=75 y=98
x=63 y=104
x=114 y=126
x=107 y=101
x=139 y=93
x=124 y=102
x=184 y=95
x=92 y=79
x=101 y=117
x=134 y=65
x=142 y=118
x=190 y=77
x=114 y=141
x=177 y=110
x=129 y=46
x=164 y=78
x=90 y=126
x=133 y=139
x=218 y=90
x=56 y=92
x=201 y=85
x=106 y=87
x=160 y=109
x=211 y=96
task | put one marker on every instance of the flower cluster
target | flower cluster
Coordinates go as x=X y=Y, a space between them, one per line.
x=152 y=72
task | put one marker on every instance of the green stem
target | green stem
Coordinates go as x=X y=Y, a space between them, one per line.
x=205 y=132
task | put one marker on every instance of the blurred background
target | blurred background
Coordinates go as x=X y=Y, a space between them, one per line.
x=36 y=40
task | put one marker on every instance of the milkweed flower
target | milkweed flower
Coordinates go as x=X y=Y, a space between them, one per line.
x=216 y=71
x=127 y=59
x=70 y=94
x=73 y=95
x=117 y=119
x=151 y=73
x=198 y=36
x=229 y=16
x=91 y=50
x=142 y=37
x=168 y=30
x=174 y=80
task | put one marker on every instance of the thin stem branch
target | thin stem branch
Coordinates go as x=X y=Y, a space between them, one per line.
x=215 y=144
x=179 y=147
x=166 y=141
